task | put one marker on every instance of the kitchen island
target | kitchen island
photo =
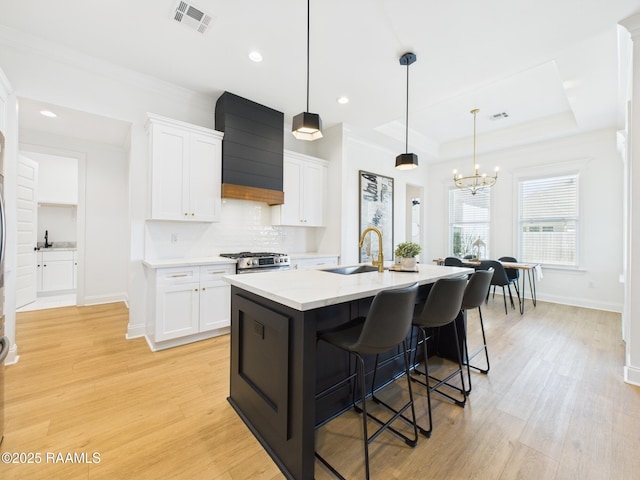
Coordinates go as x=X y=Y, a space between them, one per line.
x=276 y=365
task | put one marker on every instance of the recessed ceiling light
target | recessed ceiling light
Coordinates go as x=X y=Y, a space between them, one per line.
x=342 y=100
x=255 y=56
x=48 y=113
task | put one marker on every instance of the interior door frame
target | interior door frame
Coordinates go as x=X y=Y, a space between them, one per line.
x=81 y=208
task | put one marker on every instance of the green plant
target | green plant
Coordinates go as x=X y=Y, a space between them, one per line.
x=408 y=249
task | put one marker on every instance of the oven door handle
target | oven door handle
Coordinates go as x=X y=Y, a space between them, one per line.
x=263 y=270
x=4 y=348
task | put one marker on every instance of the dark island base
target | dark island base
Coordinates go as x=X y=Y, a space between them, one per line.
x=277 y=366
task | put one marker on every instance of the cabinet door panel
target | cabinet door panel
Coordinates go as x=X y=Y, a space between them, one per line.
x=215 y=305
x=177 y=311
x=204 y=178
x=313 y=195
x=57 y=275
x=169 y=178
x=291 y=178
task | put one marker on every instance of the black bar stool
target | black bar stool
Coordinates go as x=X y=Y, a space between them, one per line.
x=386 y=326
x=474 y=296
x=441 y=309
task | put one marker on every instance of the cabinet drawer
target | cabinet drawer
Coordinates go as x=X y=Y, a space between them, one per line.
x=53 y=256
x=177 y=275
x=209 y=273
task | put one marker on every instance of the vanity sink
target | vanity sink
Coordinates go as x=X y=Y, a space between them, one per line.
x=353 y=269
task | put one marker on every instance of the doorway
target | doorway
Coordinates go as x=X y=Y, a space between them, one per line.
x=414 y=216
x=48 y=228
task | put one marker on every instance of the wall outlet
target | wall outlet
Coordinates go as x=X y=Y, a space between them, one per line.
x=174 y=238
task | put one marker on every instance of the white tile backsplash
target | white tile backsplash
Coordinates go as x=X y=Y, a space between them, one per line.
x=244 y=226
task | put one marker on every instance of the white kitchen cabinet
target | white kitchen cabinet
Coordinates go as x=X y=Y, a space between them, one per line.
x=185 y=171
x=54 y=271
x=304 y=263
x=188 y=303
x=215 y=297
x=304 y=185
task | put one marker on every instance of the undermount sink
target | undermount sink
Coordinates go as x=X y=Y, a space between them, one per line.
x=351 y=270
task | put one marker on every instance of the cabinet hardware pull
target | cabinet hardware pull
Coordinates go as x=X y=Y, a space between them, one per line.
x=203 y=289
x=217 y=272
x=196 y=289
x=176 y=275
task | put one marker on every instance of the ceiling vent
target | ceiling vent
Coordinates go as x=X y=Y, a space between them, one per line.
x=499 y=116
x=192 y=17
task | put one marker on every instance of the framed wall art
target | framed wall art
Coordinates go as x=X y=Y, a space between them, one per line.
x=376 y=210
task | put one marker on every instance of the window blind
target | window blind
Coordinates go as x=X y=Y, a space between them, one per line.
x=548 y=211
x=468 y=220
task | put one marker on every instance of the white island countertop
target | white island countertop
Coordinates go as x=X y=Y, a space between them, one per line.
x=308 y=289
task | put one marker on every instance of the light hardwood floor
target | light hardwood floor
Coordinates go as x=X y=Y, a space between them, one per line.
x=553 y=406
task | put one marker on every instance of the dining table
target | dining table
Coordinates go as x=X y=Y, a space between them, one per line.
x=530 y=271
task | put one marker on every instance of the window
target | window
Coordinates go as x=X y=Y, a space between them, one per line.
x=548 y=216
x=468 y=221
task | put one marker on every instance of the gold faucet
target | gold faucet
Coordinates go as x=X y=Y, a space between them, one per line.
x=376 y=263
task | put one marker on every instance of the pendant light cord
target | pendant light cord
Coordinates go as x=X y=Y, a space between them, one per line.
x=406 y=118
x=475 y=112
x=308 y=26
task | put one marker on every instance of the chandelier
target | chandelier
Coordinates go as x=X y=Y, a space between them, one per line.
x=477 y=181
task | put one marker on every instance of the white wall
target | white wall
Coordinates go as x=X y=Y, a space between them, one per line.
x=330 y=147
x=60 y=221
x=596 y=284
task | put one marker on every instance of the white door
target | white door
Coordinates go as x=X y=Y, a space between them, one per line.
x=27 y=216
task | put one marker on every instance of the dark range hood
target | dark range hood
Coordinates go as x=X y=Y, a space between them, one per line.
x=252 y=149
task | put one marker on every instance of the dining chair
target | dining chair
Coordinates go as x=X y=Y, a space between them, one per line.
x=513 y=274
x=499 y=279
x=453 y=262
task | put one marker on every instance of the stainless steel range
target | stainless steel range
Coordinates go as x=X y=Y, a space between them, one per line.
x=250 y=262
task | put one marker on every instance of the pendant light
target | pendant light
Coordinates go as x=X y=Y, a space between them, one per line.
x=477 y=181
x=307 y=126
x=407 y=161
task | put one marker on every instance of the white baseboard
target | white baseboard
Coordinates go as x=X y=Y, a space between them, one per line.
x=100 y=299
x=12 y=356
x=157 y=346
x=574 y=302
x=583 y=302
x=135 y=331
x=632 y=375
